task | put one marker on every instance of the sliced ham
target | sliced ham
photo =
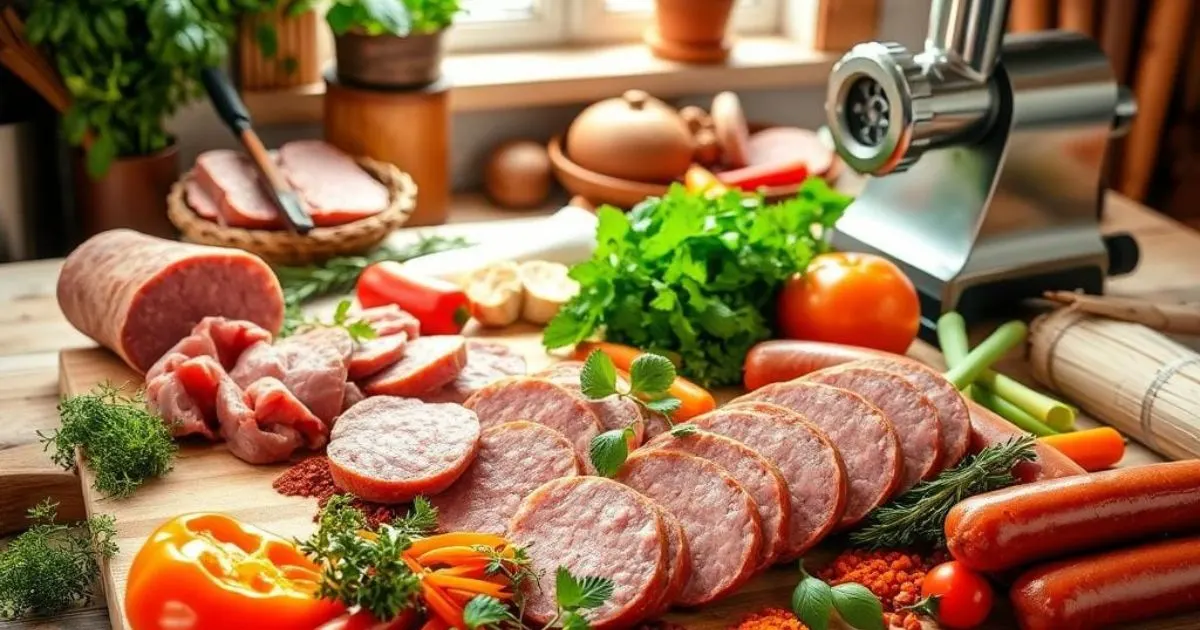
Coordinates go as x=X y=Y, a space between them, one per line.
x=274 y=404
x=373 y=355
x=230 y=178
x=222 y=339
x=245 y=438
x=336 y=189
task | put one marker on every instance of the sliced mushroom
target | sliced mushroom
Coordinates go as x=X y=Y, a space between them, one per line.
x=547 y=288
x=496 y=294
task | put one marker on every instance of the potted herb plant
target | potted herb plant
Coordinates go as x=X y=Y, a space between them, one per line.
x=691 y=31
x=390 y=43
x=278 y=45
x=128 y=66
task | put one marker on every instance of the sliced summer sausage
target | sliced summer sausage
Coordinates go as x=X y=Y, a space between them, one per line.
x=679 y=556
x=863 y=435
x=757 y=475
x=911 y=413
x=593 y=526
x=389 y=450
x=614 y=412
x=371 y=356
x=538 y=400
x=428 y=363
x=513 y=460
x=953 y=414
x=138 y=295
x=487 y=362
x=809 y=462
x=719 y=518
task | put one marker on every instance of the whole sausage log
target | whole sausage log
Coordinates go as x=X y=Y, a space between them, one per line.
x=137 y=295
x=1111 y=588
x=783 y=360
x=1037 y=521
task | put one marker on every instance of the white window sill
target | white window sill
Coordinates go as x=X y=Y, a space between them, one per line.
x=532 y=78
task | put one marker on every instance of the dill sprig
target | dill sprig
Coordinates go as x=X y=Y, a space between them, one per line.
x=122 y=442
x=918 y=516
x=51 y=567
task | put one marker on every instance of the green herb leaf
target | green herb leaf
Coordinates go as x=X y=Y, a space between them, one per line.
x=666 y=406
x=651 y=374
x=812 y=601
x=683 y=430
x=485 y=611
x=580 y=593
x=598 y=378
x=858 y=606
x=609 y=450
x=574 y=621
x=421 y=520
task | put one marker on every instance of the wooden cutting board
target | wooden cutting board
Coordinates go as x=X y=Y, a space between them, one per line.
x=206 y=478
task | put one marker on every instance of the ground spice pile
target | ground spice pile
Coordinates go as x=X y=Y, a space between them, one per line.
x=894 y=577
x=311 y=478
x=770 y=619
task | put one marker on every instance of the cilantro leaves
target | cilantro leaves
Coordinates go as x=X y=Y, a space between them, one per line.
x=694 y=276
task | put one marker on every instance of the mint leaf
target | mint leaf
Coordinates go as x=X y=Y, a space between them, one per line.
x=580 y=593
x=812 y=601
x=609 y=450
x=666 y=406
x=484 y=611
x=651 y=374
x=598 y=378
x=858 y=606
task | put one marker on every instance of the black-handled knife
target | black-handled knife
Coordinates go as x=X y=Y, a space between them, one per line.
x=233 y=111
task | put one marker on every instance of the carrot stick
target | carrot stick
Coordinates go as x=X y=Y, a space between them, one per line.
x=460 y=596
x=454 y=555
x=453 y=539
x=441 y=605
x=467 y=584
x=477 y=570
x=695 y=399
x=413 y=565
x=1092 y=449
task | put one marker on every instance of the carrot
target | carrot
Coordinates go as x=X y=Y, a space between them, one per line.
x=695 y=399
x=413 y=565
x=441 y=605
x=454 y=555
x=460 y=596
x=1093 y=449
x=467 y=584
x=471 y=570
x=454 y=539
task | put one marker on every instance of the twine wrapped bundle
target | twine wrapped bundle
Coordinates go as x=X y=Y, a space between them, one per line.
x=1131 y=377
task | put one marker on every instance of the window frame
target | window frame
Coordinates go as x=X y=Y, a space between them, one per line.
x=547 y=27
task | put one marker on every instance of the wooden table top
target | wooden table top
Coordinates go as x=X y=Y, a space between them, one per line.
x=33 y=331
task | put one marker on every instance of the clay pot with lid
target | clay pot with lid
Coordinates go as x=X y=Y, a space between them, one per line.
x=635 y=137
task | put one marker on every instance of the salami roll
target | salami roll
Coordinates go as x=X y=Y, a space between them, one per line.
x=538 y=400
x=593 y=526
x=910 y=412
x=719 y=518
x=756 y=474
x=389 y=450
x=137 y=295
x=863 y=435
x=809 y=462
x=953 y=414
x=428 y=363
x=513 y=460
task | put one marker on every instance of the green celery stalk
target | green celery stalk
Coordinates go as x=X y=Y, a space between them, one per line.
x=1009 y=411
x=1005 y=338
x=952 y=336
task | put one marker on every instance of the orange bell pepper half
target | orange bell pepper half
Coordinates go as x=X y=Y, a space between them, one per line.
x=209 y=571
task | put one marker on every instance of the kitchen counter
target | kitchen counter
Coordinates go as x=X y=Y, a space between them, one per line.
x=32 y=332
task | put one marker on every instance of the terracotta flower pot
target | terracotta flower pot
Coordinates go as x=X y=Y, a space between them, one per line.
x=133 y=194
x=387 y=61
x=297 y=58
x=692 y=31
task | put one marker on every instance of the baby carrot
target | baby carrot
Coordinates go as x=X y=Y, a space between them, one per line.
x=453 y=555
x=460 y=596
x=695 y=399
x=471 y=570
x=442 y=605
x=1092 y=449
x=453 y=539
x=440 y=579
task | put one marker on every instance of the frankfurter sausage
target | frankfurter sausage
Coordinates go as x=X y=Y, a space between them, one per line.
x=1110 y=588
x=785 y=359
x=1046 y=519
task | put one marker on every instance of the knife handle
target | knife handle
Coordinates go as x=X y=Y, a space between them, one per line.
x=225 y=99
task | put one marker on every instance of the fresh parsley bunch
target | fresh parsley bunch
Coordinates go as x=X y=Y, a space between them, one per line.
x=695 y=277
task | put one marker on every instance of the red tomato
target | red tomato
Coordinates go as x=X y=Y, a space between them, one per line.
x=854 y=299
x=963 y=598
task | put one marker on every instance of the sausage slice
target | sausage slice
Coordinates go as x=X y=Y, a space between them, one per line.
x=428 y=363
x=389 y=450
x=613 y=411
x=593 y=526
x=538 y=400
x=487 y=363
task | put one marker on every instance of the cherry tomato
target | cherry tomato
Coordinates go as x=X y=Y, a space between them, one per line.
x=855 y=299
x=963 y=598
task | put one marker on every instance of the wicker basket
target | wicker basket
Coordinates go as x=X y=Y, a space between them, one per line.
x=288 y=248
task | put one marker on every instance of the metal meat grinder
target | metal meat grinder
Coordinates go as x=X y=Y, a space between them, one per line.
x=987 y=159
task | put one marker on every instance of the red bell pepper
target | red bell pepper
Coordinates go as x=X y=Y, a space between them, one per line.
x=441 y=306
x=755 y=176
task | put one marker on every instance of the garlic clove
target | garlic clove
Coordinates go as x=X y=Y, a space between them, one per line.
x=496 y=294
x=547 y=288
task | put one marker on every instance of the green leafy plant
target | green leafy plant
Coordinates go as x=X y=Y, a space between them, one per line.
x=814 y=603
x=267 y=37
x=695 y=277
x=391 y=17
x=51 y=567
x=130 y=64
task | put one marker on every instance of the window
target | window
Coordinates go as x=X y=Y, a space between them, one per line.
x=498 y=24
